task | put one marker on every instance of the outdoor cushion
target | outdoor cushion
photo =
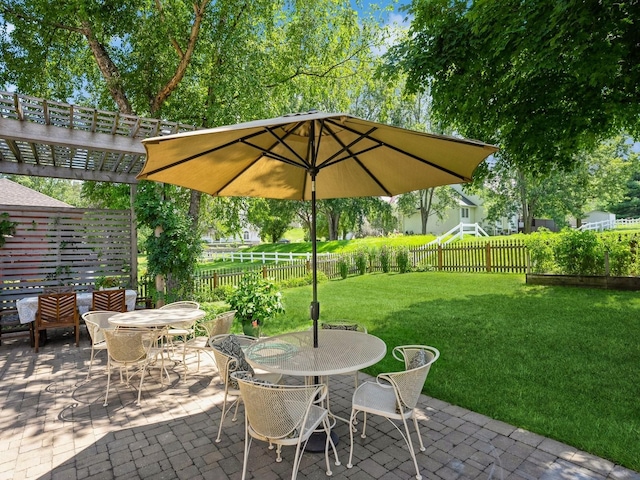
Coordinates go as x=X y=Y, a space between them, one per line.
x=418 y=360
x=340 y=326
x=229 y=345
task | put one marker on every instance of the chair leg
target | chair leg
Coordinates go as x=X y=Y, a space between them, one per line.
x=90 y=362
x=224 y=412
x=106 y=395
x=411 y=451
x=37 y=340
x=354 y=413
x=415 y=422
x=247 y=447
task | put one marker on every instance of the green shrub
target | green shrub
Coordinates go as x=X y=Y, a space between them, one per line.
x=302 y=281
x=361 y=258
x=579 y=253
x=540 y=245
x=402 y=260
x=385 y=258
x=255 y=299
x=343 y=267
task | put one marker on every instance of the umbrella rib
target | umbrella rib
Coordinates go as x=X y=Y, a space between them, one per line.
x=392 y=147
x=347 y=148
x=203 y=153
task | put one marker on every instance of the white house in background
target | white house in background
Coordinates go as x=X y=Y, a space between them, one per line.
x=468 y=210
x=250 y=236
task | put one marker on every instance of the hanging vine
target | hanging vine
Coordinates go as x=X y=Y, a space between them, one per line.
x=174 y=251
x=7 y=227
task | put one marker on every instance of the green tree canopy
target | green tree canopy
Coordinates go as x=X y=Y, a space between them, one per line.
x=541 y=78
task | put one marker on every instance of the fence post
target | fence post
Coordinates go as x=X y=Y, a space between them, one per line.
x=439 y=257
x=215 y=280
x=308 y=263
x=264 y=271
x=488 y=256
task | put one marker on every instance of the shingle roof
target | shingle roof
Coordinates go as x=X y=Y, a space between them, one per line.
x=12 y=193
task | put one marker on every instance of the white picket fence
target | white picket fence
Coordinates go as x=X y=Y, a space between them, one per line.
x=263 y=257
x=609 y=224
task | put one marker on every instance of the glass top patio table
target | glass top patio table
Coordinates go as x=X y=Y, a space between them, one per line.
x=339 y=351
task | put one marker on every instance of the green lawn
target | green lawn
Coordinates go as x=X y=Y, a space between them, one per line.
x=559 y=361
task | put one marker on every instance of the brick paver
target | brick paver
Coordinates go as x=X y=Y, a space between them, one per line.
x=53 y=426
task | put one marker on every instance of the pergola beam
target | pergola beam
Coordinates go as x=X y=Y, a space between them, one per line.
x=66 y=137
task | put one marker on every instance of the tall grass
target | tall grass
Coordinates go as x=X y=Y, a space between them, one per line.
x=559 y=361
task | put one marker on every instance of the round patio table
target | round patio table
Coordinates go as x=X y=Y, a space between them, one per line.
x=156 y=317
x=338 y=351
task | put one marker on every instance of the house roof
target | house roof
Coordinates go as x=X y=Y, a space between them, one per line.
x=12 y=193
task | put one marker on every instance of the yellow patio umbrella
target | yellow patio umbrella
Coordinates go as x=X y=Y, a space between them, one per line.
x=309 y=156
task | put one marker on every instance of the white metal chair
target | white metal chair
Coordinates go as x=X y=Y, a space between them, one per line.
x=184 y=330
x=229 y=357
x=284 y=415
x=220 y=325
x=395 y=395
x=130 y=347
x=96 y=323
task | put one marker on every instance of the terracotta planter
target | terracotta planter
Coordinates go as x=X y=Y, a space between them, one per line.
x=250 y=330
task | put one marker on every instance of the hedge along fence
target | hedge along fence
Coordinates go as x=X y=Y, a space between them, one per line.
x=64 y=246
x=501 y=255
x=575 y=252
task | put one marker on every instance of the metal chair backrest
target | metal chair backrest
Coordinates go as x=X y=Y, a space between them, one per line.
x=97 y=322
x=181 y=304
x=125 y=346
x=277 y=411
x=343 y=325
x=112 y=300
x=221 y=324
x=408 y=384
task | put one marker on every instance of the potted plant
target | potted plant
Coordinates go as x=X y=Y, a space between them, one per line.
x=107 y=283
x=256 y=300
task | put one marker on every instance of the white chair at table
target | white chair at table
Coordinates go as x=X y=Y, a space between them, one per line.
x=131 y=347
x=180 y=329
x=395 y=395
x=229 y=357
x=219 y=325
x=97 y=322
x=283 y=415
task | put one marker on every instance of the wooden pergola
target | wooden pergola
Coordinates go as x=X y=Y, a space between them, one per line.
x=43 y=138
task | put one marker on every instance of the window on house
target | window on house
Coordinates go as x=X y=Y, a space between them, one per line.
x=245 y=235
x=464 y=213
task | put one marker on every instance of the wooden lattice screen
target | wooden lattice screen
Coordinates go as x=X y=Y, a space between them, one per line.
x=64 y=246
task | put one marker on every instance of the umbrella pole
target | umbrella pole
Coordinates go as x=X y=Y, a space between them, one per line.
x=315 y=306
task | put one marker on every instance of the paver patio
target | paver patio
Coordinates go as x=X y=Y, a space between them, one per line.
x=53 y=426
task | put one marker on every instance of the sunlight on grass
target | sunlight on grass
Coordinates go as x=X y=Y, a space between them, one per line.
x=558 y=361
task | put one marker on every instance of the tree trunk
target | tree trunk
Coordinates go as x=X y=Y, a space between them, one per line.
x=334 y=222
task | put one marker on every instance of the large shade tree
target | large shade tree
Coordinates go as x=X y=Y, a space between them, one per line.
x=205 y=62
x=541 y=78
